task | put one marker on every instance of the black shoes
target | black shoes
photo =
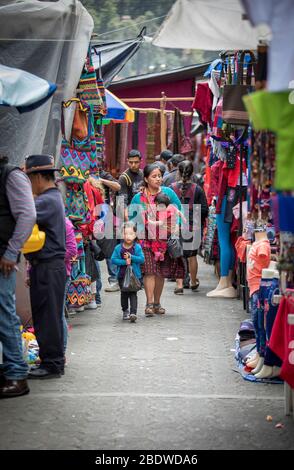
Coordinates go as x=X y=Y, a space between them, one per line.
x=14 y=388
x=42 y=373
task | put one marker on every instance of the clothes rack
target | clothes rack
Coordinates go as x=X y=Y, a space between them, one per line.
x=162 y=109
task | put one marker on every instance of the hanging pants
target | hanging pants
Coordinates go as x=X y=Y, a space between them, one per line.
x=227 y=254
x=47 y=288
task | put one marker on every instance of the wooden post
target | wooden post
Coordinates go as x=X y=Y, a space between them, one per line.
x=162 y=121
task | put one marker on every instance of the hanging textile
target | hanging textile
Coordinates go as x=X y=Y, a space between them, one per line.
x=123 y=148
x=169 y=130
x=89 y=89
x=157 y=135
x=176 y=135
x=135 y=131
x=152 y=136
x=78 y=157
x=110 y=145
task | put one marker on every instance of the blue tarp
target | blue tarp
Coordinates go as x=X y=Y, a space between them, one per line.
x=23 y=90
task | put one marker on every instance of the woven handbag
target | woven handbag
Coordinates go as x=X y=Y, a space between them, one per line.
x=78 y=157
x=79 y=290
x=234 y=111
x=89 y=89
x=76 y=204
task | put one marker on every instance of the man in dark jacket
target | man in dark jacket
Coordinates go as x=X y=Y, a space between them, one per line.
x=131 y=180
x=47 y=273
x=17 y=218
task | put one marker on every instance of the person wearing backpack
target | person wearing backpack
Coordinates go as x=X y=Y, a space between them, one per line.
x=131 y=180
x=190 y=193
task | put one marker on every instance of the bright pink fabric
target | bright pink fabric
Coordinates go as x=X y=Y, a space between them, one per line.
x=71 y=245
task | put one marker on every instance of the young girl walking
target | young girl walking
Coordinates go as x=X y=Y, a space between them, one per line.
x=128 y=252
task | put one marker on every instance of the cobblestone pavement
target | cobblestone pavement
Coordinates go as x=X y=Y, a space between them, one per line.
x=163 y=383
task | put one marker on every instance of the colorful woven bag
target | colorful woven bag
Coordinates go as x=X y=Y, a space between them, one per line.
x=78 y=157
x=89 y=89
x=76 y=204
x=79 y=290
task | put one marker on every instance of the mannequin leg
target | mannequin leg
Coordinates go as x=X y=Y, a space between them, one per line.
x=226 y=256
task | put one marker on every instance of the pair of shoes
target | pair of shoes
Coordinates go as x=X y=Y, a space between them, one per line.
x=42 y=373
x=92 y=305
x=158 y=309
x=133 y=317
x=113 y=287
x=126 y=315
x=149 y=310
x=195 y=287
x=179 y=291
x=14 y=388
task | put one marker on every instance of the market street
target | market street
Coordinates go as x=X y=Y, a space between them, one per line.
x=162 y=383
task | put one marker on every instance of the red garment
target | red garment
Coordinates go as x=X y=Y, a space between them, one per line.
x=234 y=174
x=282 y=339
x=94 y=199
x=203 y=102
x=215 y=176
x=222 y=188
x=240 y=246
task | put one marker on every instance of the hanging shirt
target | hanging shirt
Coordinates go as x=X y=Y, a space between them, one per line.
x=274 y=111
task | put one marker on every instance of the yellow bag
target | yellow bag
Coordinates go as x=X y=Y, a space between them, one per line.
x=35 y=242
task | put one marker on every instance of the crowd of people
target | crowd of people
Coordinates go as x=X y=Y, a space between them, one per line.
x=151 y=248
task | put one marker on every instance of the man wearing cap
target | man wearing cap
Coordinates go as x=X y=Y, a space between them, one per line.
x=47 y=273
x=17 y=218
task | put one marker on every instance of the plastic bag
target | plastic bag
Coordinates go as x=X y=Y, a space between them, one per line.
x=130 y=283
x=174 y=248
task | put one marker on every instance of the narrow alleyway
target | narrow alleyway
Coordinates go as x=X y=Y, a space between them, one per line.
x=163 y=383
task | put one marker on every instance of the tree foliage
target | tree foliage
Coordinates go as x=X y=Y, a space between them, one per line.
x=116 y=20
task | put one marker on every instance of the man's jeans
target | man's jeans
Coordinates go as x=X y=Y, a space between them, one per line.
x=14 y=366
x=258 y=323
x=112 y=271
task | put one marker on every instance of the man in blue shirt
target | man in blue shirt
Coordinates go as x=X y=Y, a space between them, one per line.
x=47 y=273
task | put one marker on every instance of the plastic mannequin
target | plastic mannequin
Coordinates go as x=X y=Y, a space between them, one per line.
x=257 y=362
x=269 y=371
x=224 y=288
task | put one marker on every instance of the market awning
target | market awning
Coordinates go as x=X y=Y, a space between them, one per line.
x=23 y=90
x=209 y=25
x=117 y=110
x=115 y=55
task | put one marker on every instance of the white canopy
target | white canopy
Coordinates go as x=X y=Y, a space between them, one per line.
x=210 y=25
